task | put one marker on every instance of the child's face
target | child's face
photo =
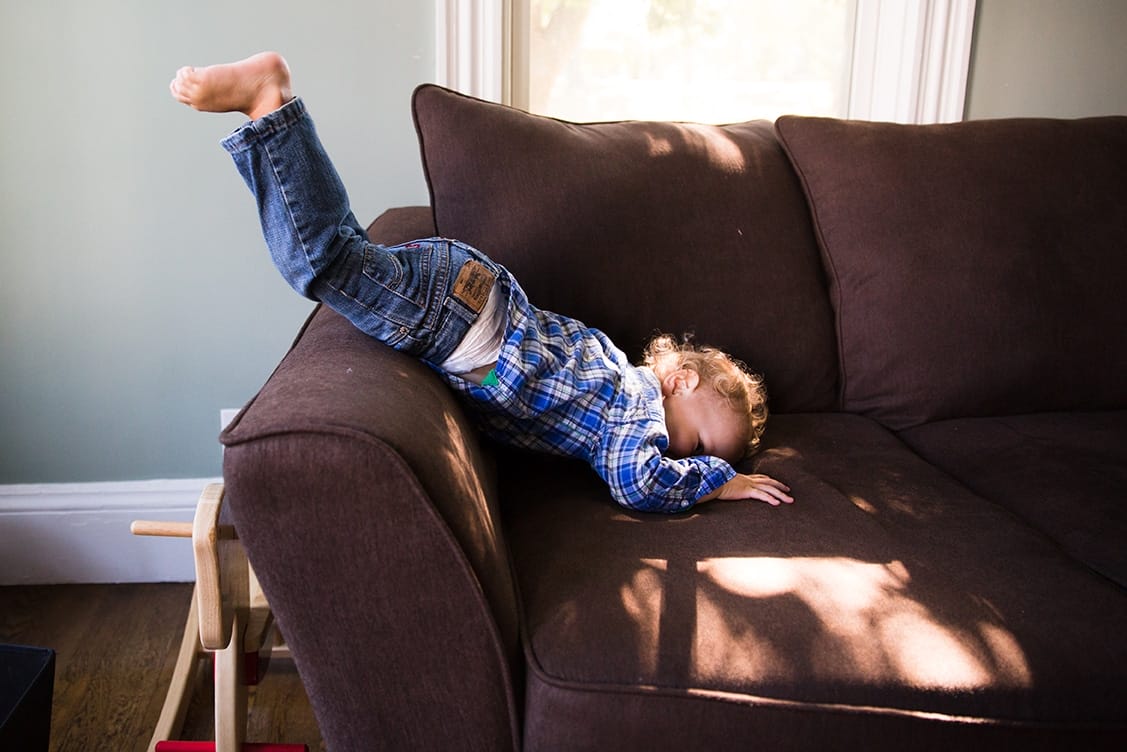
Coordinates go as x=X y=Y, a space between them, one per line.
x=699 y=421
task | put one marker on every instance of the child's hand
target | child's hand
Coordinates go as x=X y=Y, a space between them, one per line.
x=760 y=487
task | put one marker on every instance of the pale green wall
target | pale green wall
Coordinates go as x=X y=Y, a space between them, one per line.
x=1048 y=58
x=136 y=296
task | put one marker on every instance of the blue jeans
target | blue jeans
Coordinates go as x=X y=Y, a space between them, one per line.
x=419 y=297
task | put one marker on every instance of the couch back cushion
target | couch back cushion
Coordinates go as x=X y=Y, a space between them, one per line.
x=640 y=227
x=976 y=268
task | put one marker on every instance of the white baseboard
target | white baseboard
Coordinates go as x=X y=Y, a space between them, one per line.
x=79 y=532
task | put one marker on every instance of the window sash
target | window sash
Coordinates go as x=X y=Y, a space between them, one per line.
x=910 y=57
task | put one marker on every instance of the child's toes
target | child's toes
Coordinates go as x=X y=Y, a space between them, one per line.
x=181 y=85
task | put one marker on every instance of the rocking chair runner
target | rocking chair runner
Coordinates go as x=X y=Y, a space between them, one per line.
x=229 y=619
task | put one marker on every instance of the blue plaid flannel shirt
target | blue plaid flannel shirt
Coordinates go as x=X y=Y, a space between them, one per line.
x=566 y=389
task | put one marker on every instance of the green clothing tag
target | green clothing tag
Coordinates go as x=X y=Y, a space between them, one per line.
x=490 y=378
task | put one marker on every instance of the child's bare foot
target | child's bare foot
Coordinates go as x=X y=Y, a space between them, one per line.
x=255 y=86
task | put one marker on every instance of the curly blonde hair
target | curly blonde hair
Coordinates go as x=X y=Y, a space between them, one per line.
x=742 y=390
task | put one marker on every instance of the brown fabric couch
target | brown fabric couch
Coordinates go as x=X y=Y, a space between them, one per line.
x=939 y=312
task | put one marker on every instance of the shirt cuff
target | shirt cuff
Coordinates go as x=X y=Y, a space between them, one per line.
x=718 y=475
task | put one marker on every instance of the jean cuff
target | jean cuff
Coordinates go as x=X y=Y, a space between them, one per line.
x=253 y=131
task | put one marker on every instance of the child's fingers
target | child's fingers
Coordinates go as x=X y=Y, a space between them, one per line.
x=767 y=489
x=768 y=480
x=759 y=487
x=772 y=492
x=765 y=497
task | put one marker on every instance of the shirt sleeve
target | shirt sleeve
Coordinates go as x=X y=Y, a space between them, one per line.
x=632 y=462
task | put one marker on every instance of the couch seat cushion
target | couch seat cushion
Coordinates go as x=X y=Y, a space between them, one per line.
x=1063 y=473
x=640 y=227
x=887 y=590
x=976 y=268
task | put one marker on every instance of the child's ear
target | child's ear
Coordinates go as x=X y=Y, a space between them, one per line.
x=692 y=378
x=681 y=380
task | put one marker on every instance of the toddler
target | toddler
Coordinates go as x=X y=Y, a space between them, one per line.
x=662 y=435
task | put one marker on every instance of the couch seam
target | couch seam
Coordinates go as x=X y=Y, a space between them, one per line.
x=750 y=700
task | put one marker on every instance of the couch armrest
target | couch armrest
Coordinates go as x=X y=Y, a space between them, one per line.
x=401 y=224
x=368 y=508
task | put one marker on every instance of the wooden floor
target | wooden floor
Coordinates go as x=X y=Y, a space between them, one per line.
x=115 y=650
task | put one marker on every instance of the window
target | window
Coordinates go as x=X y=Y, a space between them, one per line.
x=707 y=60
x=898 y=60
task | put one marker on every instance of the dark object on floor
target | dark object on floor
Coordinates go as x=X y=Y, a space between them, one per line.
x=27 y=682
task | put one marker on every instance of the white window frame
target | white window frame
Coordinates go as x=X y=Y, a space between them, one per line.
x=473 y=45
x=910 y=57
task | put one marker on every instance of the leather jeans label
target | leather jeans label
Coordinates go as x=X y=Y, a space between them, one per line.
x=473 y=285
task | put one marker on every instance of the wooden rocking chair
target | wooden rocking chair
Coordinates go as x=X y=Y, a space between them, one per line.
x=228 y=619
